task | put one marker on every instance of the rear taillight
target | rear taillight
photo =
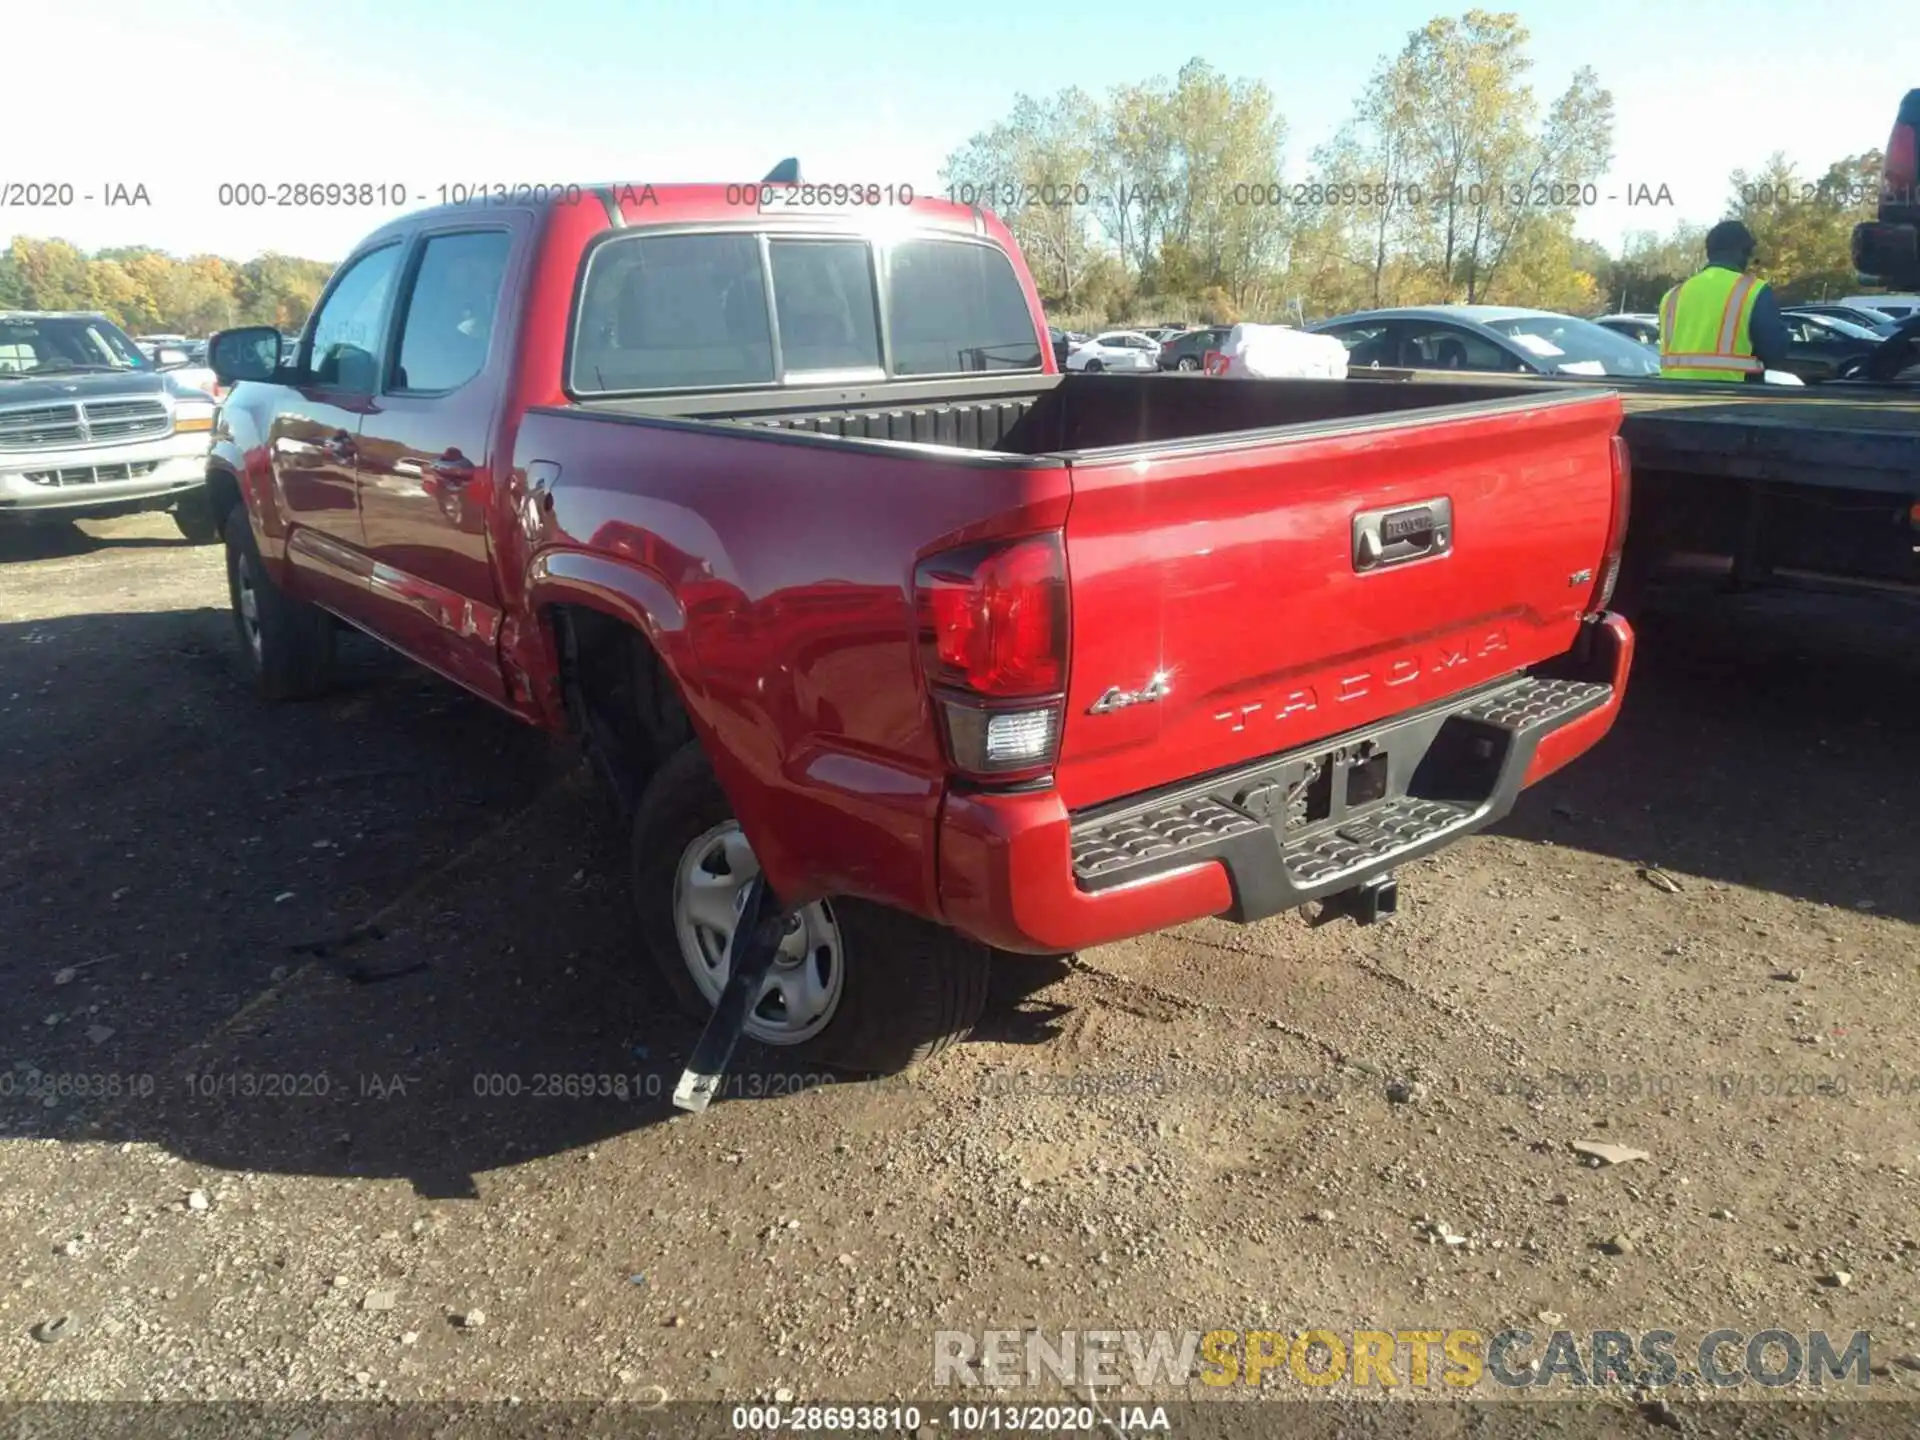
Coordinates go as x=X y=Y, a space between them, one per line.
x=1902 y=169
x=993 y=636
x=1617 y=527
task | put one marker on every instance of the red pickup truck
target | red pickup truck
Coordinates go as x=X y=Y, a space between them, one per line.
x=1886 y=249
x=785 y=511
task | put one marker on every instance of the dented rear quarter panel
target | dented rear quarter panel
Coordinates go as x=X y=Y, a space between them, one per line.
x=774 y=573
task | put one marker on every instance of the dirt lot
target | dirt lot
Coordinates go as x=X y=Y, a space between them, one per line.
x=245 y=1162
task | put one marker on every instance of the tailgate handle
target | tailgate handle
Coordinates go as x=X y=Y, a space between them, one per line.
x=1393 y=536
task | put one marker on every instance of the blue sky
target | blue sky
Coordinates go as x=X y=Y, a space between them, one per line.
x=504 y=91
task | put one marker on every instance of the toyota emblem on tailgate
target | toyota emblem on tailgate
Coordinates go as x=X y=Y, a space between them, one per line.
x=1401 y=533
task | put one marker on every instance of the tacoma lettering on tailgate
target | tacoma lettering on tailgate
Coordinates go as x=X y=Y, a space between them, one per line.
x=1383 y=675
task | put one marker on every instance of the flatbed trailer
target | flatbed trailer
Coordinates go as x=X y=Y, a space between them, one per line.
x=1779 y=484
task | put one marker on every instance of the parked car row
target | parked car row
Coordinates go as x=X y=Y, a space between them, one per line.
x=1827 y=340
x=1115 y=350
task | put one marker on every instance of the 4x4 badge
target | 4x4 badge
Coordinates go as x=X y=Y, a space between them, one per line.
x=1117 y=699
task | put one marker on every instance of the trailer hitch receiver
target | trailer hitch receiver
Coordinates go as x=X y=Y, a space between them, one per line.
x=1365 y=903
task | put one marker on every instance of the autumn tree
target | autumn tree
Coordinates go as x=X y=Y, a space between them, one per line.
x=1033 y=170
x=146 y=290
x=48 y=275
x=1803 y=228
x=1163 y=176
x=1650 y=264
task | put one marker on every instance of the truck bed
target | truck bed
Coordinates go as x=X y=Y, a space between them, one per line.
x=1213 y=536
x=1071 y=416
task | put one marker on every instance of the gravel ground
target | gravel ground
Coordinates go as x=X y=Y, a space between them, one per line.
x=279 y=1165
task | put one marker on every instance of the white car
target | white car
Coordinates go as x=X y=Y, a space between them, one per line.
x=1116 y=350
x=1897 y=307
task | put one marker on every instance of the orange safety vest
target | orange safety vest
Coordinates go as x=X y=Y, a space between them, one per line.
x=1703 y=327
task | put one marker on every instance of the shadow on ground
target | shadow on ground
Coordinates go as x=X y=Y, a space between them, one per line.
x=183 y=866
x=62 y=539
x=180 y=864
x=1768 y=740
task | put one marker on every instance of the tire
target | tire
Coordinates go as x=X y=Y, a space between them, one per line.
x=901 y=989
x=1186 y=362
x=286 y=645
x=193 y=517
x=1093 y=367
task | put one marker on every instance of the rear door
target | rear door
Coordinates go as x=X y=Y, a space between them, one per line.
x=1232 y=574
x=428 y=477
x=315 y=432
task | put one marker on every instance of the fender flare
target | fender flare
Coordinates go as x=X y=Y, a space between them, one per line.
x=642 y=599
x=631 y=594
x=234 y=476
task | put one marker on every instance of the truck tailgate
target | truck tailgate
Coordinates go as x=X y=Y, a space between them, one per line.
x=1224 y=605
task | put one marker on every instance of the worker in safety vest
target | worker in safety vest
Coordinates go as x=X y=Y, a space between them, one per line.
x=1722 y=324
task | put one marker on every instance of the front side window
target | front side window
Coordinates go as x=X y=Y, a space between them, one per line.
x=345 y=351
x=450 y=310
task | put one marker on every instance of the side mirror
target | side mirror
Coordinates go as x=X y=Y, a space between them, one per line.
x=249 y=353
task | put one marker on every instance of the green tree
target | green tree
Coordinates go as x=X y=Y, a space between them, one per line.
x=1802 y=228
x=1035 y=166
x=1650 y=264
x=1466 y=130
x=1550 y=178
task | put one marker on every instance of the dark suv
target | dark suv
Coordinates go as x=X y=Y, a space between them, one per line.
x=1886 y=250
x=1188 y=351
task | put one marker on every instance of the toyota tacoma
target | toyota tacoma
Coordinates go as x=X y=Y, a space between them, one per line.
x=774 y=497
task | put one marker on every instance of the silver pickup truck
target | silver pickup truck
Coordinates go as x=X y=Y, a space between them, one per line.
x=89 y=427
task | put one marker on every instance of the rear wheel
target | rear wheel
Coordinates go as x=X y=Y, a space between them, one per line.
x=1094 y=367
x=855 y=987
x=286 y=645
x=1186 y=362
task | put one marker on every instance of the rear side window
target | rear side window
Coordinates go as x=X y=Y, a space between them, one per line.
x=450 y=310
x=823 y=294
x=673 y=312
x=955 y=307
